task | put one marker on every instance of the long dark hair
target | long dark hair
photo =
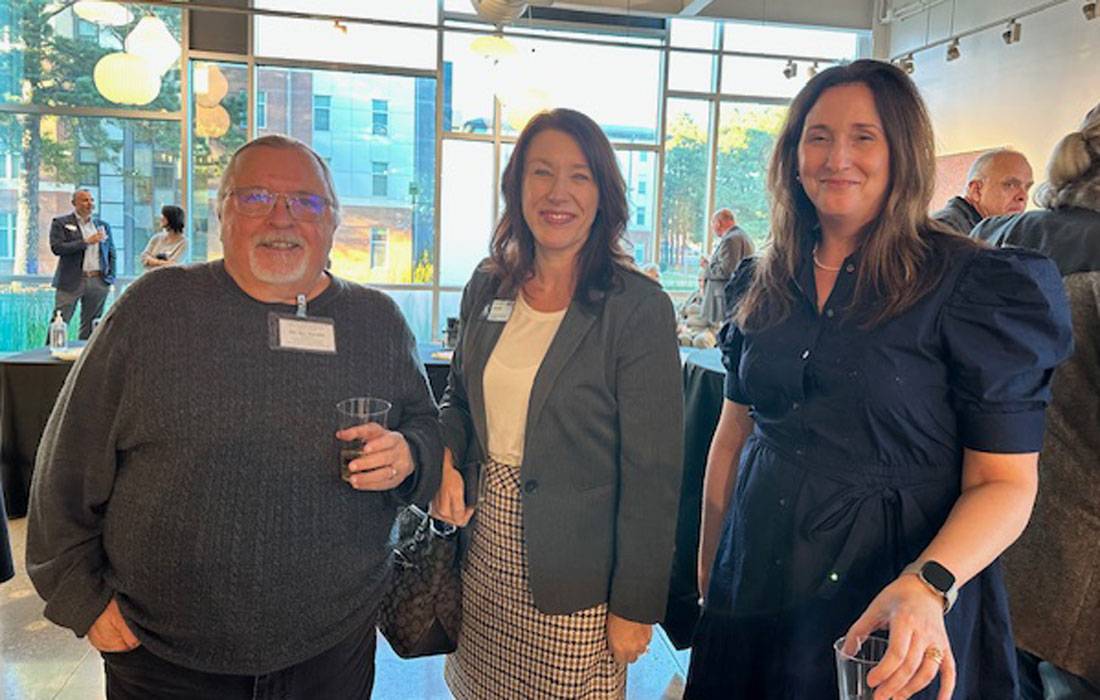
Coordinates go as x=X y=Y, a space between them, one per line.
x=512 y=250
x=898 y=266
x=174 y=216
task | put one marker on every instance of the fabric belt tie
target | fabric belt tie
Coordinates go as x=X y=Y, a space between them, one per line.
x=93 y=273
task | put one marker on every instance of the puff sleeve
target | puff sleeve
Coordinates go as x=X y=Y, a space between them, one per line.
x=731 y=337
x=1005 y=327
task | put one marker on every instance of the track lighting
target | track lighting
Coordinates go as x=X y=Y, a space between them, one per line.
x=1089 y=9
x=953 y=50
x=1011 y=34
x=812 y=70
x=906 y=64
x=791 y=69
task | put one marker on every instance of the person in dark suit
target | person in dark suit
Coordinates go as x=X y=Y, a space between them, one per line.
x=565 y=397
x=86 y=262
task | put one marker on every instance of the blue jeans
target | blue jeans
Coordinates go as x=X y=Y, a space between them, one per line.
x=345 y=671
x=1042 y=680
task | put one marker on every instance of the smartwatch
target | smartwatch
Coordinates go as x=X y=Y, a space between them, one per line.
x=938 y=579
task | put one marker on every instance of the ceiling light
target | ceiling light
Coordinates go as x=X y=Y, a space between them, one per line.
x=340 y=27
x=791 y=69
x=1089 y=9
x=906 y=64
x=953 y=50
x=107 y=13
x=812 y=70
x=1011 y=34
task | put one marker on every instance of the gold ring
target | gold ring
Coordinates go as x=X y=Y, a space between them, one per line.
x=934 y=654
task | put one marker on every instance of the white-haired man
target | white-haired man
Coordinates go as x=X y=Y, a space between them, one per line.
x=188 y=513
x=997 y=184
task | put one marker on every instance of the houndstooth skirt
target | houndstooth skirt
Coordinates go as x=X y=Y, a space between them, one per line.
x=507 y=648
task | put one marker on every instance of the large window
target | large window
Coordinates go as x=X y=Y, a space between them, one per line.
x=691 y=111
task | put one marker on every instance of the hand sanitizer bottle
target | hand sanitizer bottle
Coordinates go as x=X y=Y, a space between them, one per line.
x=59 y=333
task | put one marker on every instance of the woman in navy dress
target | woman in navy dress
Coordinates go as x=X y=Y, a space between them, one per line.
x=885 y=394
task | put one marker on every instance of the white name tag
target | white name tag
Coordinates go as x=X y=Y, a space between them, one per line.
x=71 y=227
x=303 y=334
x=500 y=310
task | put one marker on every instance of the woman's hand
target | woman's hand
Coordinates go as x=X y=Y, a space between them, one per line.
x=627 y=639
x=918 y=649
x=449 y=504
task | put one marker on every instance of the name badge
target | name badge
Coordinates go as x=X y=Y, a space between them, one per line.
x=500 y=310
x=302 y=334
x=70 y=227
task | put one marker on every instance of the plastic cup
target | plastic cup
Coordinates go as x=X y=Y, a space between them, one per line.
x=852 y=670
x=358 y=411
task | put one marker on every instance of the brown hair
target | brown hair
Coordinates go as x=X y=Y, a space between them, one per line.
x=897 y=266
x=512 y=250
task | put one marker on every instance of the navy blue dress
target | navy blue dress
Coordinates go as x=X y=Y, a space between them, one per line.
x=856 y=460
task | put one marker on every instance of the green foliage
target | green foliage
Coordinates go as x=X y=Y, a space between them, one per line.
x=425 y=269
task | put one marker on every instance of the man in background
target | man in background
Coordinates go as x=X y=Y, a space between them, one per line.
x=997 y=184
x=86 y=262
x=732 y=245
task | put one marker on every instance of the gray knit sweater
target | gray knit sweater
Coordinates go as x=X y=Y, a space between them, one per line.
x=193 y=472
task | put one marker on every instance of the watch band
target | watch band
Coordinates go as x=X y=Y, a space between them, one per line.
x=938 y=579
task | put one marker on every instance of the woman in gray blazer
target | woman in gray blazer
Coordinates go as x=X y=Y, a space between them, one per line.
x=565 y=398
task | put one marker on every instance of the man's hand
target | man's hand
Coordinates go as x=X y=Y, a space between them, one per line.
x=109 y=632
x=627 y=639
x=95 y=237
x=386 y=460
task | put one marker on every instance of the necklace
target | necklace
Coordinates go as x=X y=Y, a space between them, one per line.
x=822 y=266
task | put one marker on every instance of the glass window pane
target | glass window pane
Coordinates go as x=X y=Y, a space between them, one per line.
x=218 y=128
x=746 y=137
x=753 y=37
x=129 y=60
x=350 y=42
x=690 y=71
x=386 y=181
x=684 y=215
x=761 y=77
x=692 y=33
x=466 y=209
x=416 y=305
x=30 y=199
x=640 y=177
x=469 y=78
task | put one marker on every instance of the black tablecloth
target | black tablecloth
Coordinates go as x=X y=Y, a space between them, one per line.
x=703 y=379
x=29 y=385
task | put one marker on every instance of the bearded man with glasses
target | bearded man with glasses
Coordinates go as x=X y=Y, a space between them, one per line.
x=187 y=512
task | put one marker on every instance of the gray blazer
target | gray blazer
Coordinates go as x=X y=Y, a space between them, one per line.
x=603 y=447
x=732 y=248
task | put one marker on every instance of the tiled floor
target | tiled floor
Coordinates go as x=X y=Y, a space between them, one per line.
x=39 y=661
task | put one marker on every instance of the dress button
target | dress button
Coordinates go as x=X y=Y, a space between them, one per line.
x=796 y=406
x=850 y=268
x=800 y=452
x=782 y=502
x=778 y=562
x=805 y=354
x=829 y=313
x=531 y=486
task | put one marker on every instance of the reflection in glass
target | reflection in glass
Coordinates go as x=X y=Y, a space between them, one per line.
x=639 y=169
x=377 y=134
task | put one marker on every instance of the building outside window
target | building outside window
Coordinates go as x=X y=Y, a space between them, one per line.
x=261 y=109
x=379 y=243
x=380 y=117
x=639 y=217
x=379 y=179
x=322 y=112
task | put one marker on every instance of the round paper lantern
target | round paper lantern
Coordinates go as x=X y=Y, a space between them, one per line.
x=210 y=85
x=107 y=13
x=151 y=40
x=518 y=109
x=495 y=48
x=211 y=122
x=126 y=79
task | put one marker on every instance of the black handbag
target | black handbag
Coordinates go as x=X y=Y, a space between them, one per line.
x=421 y=613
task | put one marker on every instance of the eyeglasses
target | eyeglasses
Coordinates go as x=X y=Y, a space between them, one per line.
x=256 y=201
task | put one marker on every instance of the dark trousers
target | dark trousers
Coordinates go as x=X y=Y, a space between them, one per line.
x=92 y=294
x=346 y=671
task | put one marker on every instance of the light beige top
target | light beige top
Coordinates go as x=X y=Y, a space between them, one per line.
x=510 y=374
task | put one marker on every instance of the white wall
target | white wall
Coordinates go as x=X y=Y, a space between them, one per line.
x=1027 y=95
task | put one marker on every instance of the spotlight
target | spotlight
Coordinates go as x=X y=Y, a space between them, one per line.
x=340 y=27
x=906 y=64
x=812 y=70
x=953 y=50
x=791 y=69
x=1011 y=34
x=1089 y=9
